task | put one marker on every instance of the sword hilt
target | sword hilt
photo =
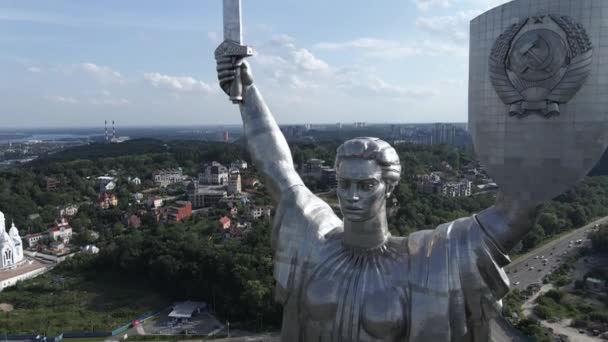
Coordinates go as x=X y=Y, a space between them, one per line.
x=236 y=51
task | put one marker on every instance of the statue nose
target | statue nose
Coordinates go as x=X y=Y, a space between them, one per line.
x=353 y=195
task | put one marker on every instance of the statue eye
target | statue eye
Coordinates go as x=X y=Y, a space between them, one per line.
x=368 y=185
x=343 y=183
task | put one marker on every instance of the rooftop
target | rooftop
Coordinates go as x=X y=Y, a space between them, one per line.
x=185 y=309
x=27 y=266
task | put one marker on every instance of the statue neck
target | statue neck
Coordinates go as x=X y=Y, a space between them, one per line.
x=367 y=234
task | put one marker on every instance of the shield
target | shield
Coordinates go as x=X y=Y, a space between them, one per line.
x=538 y=93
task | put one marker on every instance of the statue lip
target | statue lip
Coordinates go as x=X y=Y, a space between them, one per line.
x=353 y=209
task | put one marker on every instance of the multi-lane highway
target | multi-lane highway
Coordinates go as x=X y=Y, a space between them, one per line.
x=532 y=267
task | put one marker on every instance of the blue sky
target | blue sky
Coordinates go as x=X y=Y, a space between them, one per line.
x=76 y=63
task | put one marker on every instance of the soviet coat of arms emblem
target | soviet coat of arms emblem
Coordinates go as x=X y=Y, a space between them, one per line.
x=540 y=63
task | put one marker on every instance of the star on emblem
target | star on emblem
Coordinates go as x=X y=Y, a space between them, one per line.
x=538 y=19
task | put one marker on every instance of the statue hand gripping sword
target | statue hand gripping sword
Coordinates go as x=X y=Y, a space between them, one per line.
x=232 y=48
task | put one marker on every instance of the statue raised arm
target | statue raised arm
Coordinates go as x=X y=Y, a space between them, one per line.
x=265 y=140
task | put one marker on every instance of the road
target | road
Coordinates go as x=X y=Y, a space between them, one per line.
x=528 y=269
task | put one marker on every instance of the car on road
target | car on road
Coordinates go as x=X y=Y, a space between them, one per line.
x=531 y=268
x=517 y=283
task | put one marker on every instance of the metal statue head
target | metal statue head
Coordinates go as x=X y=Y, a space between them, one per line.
x=368 y=169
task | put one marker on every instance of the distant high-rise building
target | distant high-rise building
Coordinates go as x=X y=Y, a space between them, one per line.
x=443 y=134
x=226 y=136
x=234 y=182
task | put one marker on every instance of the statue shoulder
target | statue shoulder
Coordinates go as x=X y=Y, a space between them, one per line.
x=301 y=213
x=302 y=224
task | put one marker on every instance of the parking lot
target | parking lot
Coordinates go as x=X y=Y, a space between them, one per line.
x=201 y=324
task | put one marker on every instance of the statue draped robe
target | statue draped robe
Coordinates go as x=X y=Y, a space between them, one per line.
x=434 y=285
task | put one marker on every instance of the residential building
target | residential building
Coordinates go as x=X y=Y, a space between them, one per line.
x=460 y=188
x=34 y=239
x=106 y=183
x=164 y=178
x=133 y=221
x=215 y=174
x=154 y=202
x=51 y=183
x=433 y=184
x=62 y=231
x=239 y=164
x=138 y=197
x=249 y=181
x=107 y=201
x=596 y=285
x=224 y=223
x=328 y=178
x=182 y=210
x=256 y=212
x=205 y=196
x=234 y=182
x=313 y=167
x=430 y=184
x=68 y=211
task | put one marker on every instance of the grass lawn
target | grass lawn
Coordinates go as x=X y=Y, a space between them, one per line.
x=54 y=303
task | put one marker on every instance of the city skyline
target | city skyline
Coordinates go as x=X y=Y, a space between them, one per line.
x=70 y=64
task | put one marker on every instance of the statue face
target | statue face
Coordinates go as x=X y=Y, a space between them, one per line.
x=361 y=189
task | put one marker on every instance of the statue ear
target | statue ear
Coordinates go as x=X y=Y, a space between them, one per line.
x=389 y=189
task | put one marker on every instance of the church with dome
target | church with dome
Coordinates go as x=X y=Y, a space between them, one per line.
x=11 y=246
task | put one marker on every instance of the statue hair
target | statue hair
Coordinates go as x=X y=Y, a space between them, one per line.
x=372 y=149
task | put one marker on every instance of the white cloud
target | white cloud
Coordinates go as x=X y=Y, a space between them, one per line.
x=359 y=43
x=305 y=60
x=389 y=49
x=271 y=60
x=101 y=73
x=455 y=27
x=425 y=5
x=61 y=99
x=109 y=102
x=34 y=69
x=178 y=83
x=283 y=40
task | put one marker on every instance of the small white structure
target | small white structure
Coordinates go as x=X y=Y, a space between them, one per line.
x=90 y=249
x=135 y=181
x=186 y=310
x=138 y=197
x=240 y=164
x=106 y=183
x=11 y=247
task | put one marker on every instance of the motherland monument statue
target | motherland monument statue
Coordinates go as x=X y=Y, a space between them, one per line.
x=537 y=113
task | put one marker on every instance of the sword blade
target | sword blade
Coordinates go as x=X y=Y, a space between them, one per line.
x=232 y=21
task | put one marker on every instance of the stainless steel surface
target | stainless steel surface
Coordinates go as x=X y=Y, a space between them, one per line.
x=350 y=280
x=537 y=57
x=232 y=21
x=232 y=48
